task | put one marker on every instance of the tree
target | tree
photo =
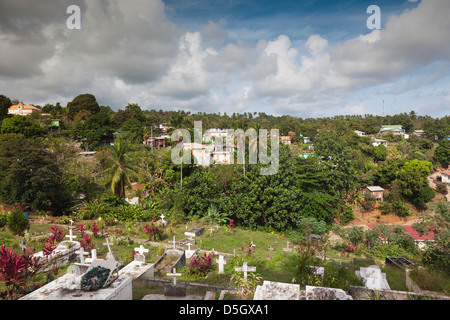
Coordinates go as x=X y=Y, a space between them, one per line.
x=118 y=167
x=5 y=103
x=30 y=174
x=442 y=153
x=380 y=153
x=413 y=182
x=81 y=102
x=20 y=124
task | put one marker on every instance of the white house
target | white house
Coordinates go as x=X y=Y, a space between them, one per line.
x=377 y=142
x=445 y=176
x=22 y=110
x=360 y=133
x=201 y=152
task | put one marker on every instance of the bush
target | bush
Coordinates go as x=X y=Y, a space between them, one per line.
x=3 y=219
x=441 y=188
x=200 y=265
x=400 y=209
x=369 y=202
x=17 y=222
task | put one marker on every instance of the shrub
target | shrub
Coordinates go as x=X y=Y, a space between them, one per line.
x=400 y=209
x=3 y=219
x=200 y=265
x=441 y=188
x=369 y=202
x=153 y=231
x=17 y=222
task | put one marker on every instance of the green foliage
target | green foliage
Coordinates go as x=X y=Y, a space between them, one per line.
x=17 y=223
x=442 y=153
x=380 y=153
x=83 y=102
x=3 y=219
x=20 y=124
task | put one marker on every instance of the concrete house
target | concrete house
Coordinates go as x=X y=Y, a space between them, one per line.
x=376 y=191
x=22 y=110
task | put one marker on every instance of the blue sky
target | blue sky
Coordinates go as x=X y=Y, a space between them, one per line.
x=302 y=58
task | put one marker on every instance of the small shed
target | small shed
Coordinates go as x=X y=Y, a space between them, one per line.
x=445 y=176
x=376 y=191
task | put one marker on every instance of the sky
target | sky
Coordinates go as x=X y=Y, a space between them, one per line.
x=304 y=58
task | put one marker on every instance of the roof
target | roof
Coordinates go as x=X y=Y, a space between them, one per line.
x=447 y=173
x=392 y=126
x=16 y=106
x=285 y=138
x=413 y=233
x=375 y=188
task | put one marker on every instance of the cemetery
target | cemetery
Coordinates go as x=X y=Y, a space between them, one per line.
x=193 y=262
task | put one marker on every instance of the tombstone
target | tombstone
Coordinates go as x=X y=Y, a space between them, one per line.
x=163 y=222
x=318 y=270
x=221 y=261
x=174 y=242
x=373 y=278
x=139 y=256
x=321 y=293
x=175 y=289
x=132 y=201
x=93 y=256
x=189 y=253
x=111 y=255
x=245 y=269
x=81 y=254
x=23 y=244
x=271 y=290
x=195 y=231
x=287 y=247
x=70 y=236
x=81 y=267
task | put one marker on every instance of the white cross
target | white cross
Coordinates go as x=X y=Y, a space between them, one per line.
x=108 y=244
x=82 y=254
x=210 y=231
x=287 y=244
x=141 y=250
x=162 y=218
x=93 y=256
x=252 y=245
x=245 y=269
x=189 y=246
x=221 y=261
x=174 y=242
x=71 y=222
x=174 y=275
x=70 y=235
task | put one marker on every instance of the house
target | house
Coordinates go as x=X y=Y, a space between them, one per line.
x=212 y=134
x=376 y=191
x=306 y=140
x=22 y=110
x=445 y=176
x=155 y=142
x=360 y=133
x=286 y=139
x=419 y=133
x=201 y=152
x=419 y=239
x=396 y=129
x=163 y=127
x=377 y=142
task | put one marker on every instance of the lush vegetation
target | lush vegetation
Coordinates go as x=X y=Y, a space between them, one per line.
x=41 y=167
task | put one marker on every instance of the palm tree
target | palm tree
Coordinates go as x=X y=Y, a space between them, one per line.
x=118 y=167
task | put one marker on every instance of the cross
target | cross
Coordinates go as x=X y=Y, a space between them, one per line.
x=210 y=231
x=221 y=261
x=174 y=242
x=162 y=218
x=93 y=256
x=70 y=235
x=189 y=246
x=141 y=250
x=108 y=244
x=252 y=245
x=82 y=254
x=287 y=244
x=174 y=275
x=245 y=269
x=71 y=222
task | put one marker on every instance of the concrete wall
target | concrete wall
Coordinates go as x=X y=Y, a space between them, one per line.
x=363 y=293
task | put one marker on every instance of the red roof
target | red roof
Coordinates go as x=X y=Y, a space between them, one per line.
x=447 y=173
x=413 y=233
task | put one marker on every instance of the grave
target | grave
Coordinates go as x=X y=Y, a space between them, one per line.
x=271 y=290
x=68 y=286
x=245 y=268
x=139 y=256
x=111 y=255
x=321 y=293
x=373 y=278
x=189 y=253
x=62 y=255
x=287 y=247
x=195 y=231
x=221 y=261
x=399 y=262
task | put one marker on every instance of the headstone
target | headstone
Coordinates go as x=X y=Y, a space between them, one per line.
x=139 y=256
x=287 y=247
x=93 y=256
x=271 y=290
x=321 y=293
x=70 y=235
x=195 y=231
x=175 y=289
x=189 y=253
x=318 y=270
x=221 y=261
x=174 y=242
x=81 y=254
x=373 y=277
x=111 y=255
x=245 y=268
x=162 y=219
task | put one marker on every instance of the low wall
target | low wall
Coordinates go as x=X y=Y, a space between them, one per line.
x=363 y=293
x=152 y=282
